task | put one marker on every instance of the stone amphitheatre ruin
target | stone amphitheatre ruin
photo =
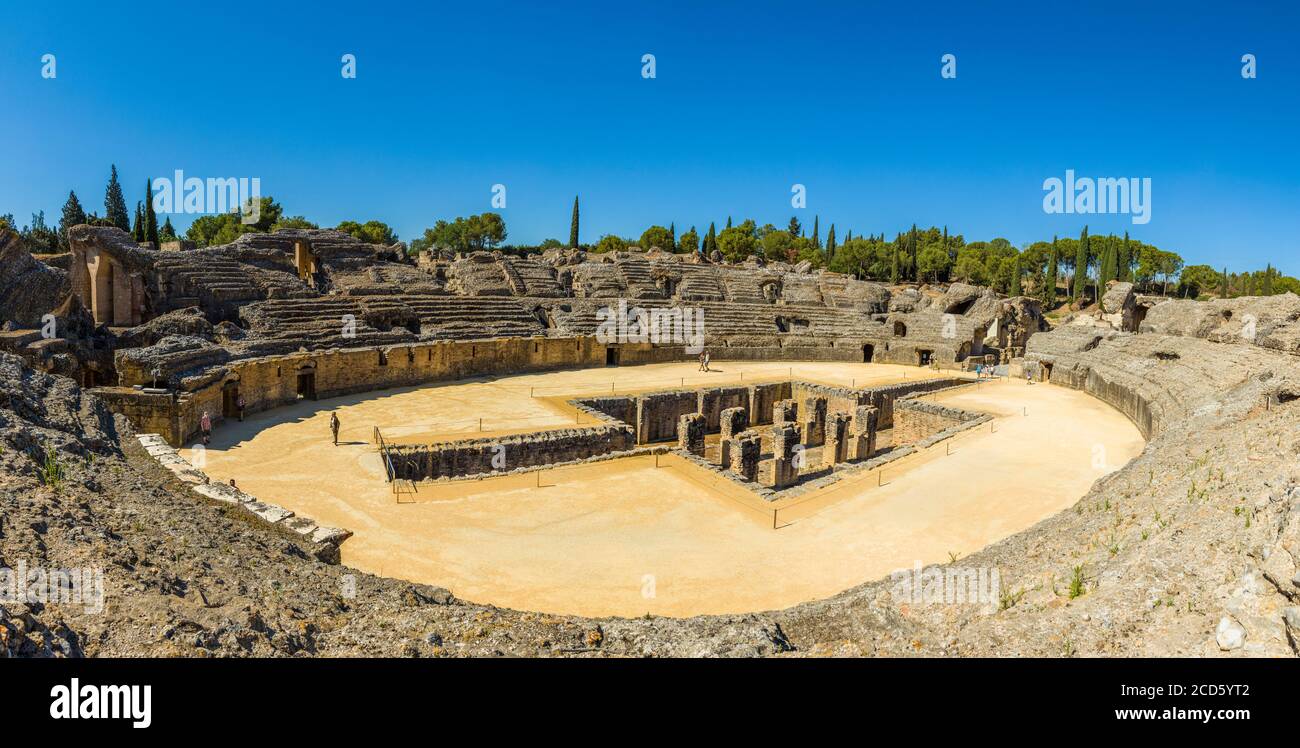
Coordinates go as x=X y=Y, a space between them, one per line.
x=1130 y=475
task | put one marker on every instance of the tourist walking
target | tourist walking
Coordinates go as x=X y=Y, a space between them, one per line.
x=706 y=360
x=205 y=425
x=334 y=427
x=701 y=361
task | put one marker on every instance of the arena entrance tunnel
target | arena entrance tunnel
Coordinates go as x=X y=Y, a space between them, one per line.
x=655 y=533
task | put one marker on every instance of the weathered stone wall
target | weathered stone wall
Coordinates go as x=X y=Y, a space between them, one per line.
x=914 y=420
x=657 y=414
x=499 y=455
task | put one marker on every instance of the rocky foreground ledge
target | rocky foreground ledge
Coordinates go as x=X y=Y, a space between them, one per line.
x=1193 y=549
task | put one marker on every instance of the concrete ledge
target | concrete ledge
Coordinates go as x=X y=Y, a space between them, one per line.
x=223 y=493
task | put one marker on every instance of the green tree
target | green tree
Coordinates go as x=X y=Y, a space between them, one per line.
x=73 y=215
x=167 y=233
x=150 y=215
x=711 y=240
x=137 y=228
x=689 y=242
x=738 y=242
x=656 y=236
x=830 y=243
x=817 y=242
x=610 y=243
x=573 y=224
x=1049 y=281
x=1081 y=265
x=115 y=203
x=371 y=232
x=795 y=228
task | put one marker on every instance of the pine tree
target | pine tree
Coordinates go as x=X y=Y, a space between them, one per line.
x=150 y=217
x=1049 y=283
x=73 y=215
x=1081 y=265
x=115 y=204
x=795 y=228
x=830 y=243
x=573 y=224
x=167 y=233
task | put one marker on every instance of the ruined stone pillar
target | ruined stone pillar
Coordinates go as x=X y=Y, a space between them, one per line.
x=783 y=411
x=690 y=433
x=814 y=420
x=748 y=447
x=865 y=421
x=786 y=451
x=836 y=444
x=731 y=422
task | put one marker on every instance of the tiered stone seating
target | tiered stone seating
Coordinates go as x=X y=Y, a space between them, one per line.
x=530 y=277
x=700 y=283
x=450 y=317
x=478 y=274
x=639 y=280
x=743 y=287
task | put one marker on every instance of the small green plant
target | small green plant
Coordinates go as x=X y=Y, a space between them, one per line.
x=1008 y=599
x=52 y=471
x=1077 y=582
x=952 y=557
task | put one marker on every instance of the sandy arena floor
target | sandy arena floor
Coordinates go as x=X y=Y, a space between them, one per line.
x=626 y=537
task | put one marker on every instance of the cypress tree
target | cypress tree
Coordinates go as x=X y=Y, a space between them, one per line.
x=1015 y=279
x=1126 y=260
x=816 y=240
x=711 y=240
x=1223 y=286
x=573 y=224
x=911 y=254
x=848 y=237
x=150 y=216
x=830 y=243
x=1081 y=265
x=1268 y=280
x=115 y=204
x=73 y=215
x=1049 y=290
x=728 y=221
x=672 y=237
x=137 y=231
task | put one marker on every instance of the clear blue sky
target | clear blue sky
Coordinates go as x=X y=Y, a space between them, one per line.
x=750 y=97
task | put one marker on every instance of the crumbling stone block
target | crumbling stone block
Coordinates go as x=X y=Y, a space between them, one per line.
x=786 y=452
x=783 y=411
x=748 y=448
x=732 y=422
x=690 y=433
x=813 y=416
x=836 y=447
x=865 y=422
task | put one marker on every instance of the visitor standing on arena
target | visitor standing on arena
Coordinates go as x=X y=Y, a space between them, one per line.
x=706 y=360
x=239 y=403
x=205 y=425
x=334 y=427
